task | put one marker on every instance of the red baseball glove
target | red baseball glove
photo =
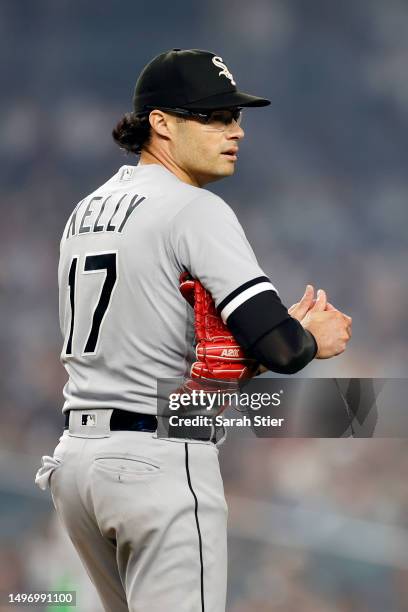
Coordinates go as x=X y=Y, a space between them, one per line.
x=219 y=356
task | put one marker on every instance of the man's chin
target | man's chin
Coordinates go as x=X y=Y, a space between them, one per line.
x=220 y=173
x=227 y=169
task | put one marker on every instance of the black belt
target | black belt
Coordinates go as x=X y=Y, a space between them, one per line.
x=123 y=420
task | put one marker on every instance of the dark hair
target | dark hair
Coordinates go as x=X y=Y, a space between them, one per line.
x=132 y=132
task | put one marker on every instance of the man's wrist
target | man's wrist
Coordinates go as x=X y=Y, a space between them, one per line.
x=313 y=339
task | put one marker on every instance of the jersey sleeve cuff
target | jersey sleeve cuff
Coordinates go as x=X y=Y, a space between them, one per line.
x=257 y=316
x=244 y=293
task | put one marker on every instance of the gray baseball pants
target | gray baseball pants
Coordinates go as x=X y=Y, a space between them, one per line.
x=147 y=516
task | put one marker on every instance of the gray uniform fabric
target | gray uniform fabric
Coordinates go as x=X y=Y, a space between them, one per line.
x=146 y=332
x=146 y=515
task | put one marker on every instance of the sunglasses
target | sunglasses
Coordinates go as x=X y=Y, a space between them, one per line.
x=217 y=120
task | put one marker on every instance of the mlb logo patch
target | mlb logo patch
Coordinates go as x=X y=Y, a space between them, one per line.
x=89 y=420
x=126 y=174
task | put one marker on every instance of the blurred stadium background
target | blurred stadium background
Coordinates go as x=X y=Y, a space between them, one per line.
x=321 y=189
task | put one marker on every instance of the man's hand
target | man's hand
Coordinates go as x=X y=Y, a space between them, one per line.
x=299 y=310
x=330 y=327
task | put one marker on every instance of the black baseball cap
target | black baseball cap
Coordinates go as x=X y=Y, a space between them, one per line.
x=190 y=79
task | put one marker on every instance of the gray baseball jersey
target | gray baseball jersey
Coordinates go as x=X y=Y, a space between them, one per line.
x=123 y=249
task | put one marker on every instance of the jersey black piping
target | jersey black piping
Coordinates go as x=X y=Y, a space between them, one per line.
x=200 y=544
x=247 y=285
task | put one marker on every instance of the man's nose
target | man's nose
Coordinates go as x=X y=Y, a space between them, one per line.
x=235 y=131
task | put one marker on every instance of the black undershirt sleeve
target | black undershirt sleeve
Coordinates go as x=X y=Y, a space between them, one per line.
x=286 y=349
x=264 y=328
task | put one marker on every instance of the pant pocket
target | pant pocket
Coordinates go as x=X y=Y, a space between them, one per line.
x=48 y=466
x=127 y=466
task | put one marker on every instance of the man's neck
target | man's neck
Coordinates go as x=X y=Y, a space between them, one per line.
x=147 y=157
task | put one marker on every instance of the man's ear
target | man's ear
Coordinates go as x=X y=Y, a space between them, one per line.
x=161 y=123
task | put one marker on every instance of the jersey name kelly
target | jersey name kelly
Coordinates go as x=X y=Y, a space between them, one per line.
x=102 y=214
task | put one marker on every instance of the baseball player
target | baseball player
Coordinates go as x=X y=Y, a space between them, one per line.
x=147 y=515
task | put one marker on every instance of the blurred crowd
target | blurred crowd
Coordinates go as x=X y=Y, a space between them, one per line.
x=321 y=191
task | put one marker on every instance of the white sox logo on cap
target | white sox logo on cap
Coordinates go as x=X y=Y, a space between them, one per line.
x=218 y=61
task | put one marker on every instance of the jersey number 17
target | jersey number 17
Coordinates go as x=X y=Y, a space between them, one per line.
x=93 y=263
